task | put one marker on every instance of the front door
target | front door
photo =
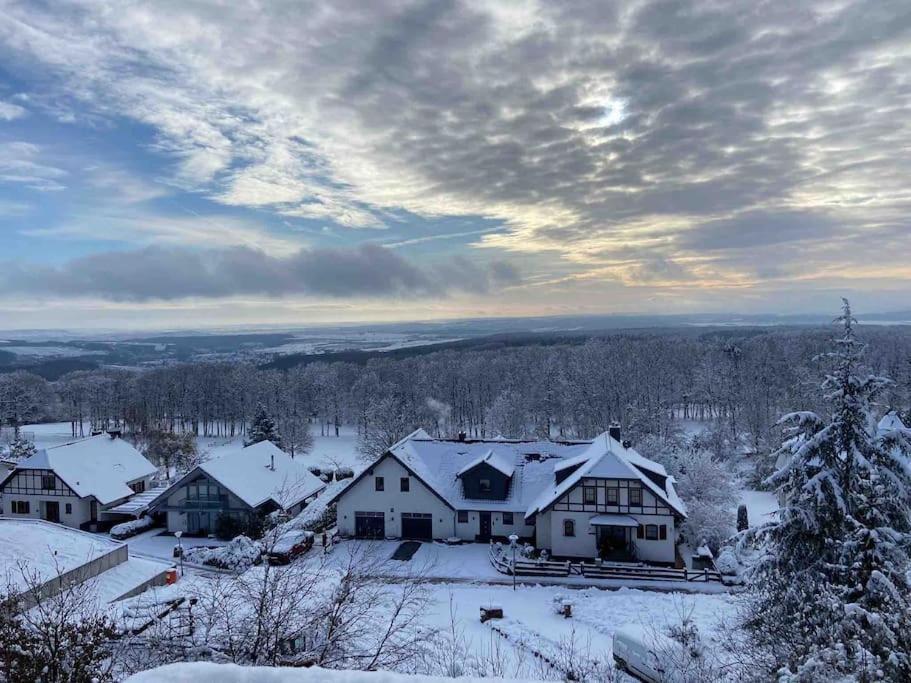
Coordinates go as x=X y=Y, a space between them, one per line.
x=52 y=511
x=485 y=527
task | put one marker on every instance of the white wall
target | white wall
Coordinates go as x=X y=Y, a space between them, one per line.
x=470 y=530
x=363 y=497
x=584 y=543
x=81 y=508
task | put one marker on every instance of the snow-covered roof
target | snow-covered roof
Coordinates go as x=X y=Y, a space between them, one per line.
x=440 y=462
x=608 y=458
x=99 y=466
x=613 y=520
x=249 y=474
x=490 y=458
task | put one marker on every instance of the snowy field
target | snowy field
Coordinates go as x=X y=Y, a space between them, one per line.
x=327 y=450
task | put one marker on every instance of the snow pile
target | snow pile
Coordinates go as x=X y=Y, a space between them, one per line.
x=131 y=528
x=240 y=553
x=203 y=672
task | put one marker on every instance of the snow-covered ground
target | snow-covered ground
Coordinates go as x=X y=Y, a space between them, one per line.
x=157 y=543
x=205 y=672
x=761 y=505
x=329 y=450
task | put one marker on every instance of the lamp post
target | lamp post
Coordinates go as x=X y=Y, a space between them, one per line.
x=513 y=539
x=178 y=534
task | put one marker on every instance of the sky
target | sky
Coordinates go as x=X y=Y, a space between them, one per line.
x=181 y=164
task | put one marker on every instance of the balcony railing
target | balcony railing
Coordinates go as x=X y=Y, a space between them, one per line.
x=206 y=502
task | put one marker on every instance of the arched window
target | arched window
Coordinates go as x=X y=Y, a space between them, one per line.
x=569 y=527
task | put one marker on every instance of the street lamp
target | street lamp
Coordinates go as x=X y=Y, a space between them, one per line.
x=513 y=539
x=178 y=534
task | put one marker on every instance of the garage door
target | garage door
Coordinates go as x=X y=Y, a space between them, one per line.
x=369 y=525
x=417 y=525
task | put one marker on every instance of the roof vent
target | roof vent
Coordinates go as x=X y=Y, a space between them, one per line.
x=272 y=463
x=614 y=431
x=627 y=443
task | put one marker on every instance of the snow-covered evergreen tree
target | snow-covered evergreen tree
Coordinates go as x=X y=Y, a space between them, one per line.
x=263 y=428
x=831 y=597
x=21 y=448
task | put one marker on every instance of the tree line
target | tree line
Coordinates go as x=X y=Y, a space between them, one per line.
x=650 y=382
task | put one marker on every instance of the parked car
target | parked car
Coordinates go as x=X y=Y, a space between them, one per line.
x=642 y=654
x=290 y=545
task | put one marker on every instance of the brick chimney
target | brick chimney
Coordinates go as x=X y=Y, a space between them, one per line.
x=614 y=431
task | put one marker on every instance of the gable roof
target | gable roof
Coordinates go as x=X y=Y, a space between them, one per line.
x=498 y=462
x=607 y=458
x=98 y=466
x=248 y=473
x=438 y=464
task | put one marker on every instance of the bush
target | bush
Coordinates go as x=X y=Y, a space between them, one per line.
x=240 y=553
x=344 y=473
x=743 y=520
x=314 y=470
x=227 y=527
x=727 y=563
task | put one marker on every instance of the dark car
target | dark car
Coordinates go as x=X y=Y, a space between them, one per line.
x=290 y=545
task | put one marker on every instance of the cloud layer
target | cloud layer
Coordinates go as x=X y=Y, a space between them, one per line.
x=171 y=273
x=736 y=147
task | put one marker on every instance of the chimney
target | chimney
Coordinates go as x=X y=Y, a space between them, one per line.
x=272 y=466
x=614 y=431
x=461 y=436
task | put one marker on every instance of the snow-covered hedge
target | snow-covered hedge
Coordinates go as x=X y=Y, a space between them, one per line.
x=726 y=562
x=240 y=553
x=131 y=528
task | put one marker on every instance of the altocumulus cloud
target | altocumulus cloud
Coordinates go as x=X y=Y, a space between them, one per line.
x=169 y=273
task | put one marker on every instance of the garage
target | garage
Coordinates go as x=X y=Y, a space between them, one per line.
x=417 y=525
x=369 y=525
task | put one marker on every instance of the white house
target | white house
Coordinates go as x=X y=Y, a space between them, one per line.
x=575 y=499
x=75 y=483
x=258 y=479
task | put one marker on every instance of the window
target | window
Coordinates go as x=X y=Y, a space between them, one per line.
x=138 y=486
x=380 y=483
x=69 y=508
x=651 y=532
x=507 y=518
x=21 y=507
x=613 y=496
x=484 y=485
x=463 y=516
x=589 y=495
x=662 y=532
x=404 y=484
x=635 y=496
x=569 y=527
x=48 y=482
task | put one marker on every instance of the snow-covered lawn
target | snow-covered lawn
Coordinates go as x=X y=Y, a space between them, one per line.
x=761 y=505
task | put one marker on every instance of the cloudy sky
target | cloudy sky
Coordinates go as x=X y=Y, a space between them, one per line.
x=181 y=163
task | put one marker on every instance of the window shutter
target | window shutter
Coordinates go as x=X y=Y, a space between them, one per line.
x=640 y=531
x=662 y=532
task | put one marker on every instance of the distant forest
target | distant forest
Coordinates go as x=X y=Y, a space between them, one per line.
x=650 y=382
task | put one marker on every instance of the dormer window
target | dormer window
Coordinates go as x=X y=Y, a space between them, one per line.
x=484 y=485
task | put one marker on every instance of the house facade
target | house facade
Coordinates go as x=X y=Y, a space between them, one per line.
x=582 y=499
x=239 y=484
x=75 y=484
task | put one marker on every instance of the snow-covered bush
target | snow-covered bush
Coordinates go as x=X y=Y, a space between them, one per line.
x=240 y=553
x=344 y=473
x=314 y=470
x=706 y=523
x=131 y=528
x=726 y=562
